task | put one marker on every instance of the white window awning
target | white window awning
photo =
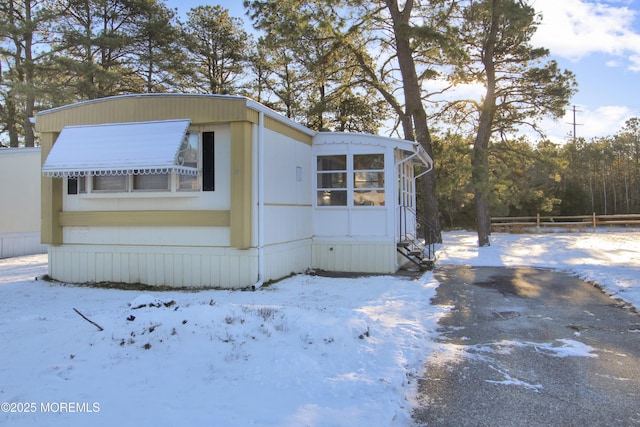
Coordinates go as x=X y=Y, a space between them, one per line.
x=120 y=149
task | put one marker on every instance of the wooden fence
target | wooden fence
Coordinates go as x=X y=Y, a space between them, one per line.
x=577 y=223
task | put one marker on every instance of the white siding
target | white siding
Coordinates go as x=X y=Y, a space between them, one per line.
x=156 y=266
x=18 y=244
x=287 y=224
x=286 y=259
x=144 y=236
x=20 y=202
x=371 y=222
x=282 y=158
x=288 y=205
x=355 y=256
x=332 y=222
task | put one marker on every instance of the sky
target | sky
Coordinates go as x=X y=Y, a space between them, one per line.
x=308 y=350
x=598 y=40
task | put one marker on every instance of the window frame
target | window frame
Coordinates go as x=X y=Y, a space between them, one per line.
x=135 y=189
x=190 y=179
x=86 y=185
x=335 y=194
x=368 y=191
x=351 y=190
x=125 y=189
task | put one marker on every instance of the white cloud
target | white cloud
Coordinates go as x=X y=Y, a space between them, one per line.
x=576 y=28
x=600 y=122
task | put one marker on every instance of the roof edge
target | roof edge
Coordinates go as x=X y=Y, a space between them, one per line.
x=138 y=95
x=260 y=108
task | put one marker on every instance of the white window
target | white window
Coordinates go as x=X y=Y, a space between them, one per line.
x=368 y=180
x=332 y=180
x=350 y=180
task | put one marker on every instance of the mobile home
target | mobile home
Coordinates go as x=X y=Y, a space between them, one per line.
x=20 y=202
x=216 y=191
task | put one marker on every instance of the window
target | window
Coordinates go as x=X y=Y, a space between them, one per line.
x=110 y=183
x=151 y=182
x=332 y=180
x=72 y=186
x=76 y=185
x=127 y=157
x=345 y=180
x=119 y=183
x=368 y=180
x=184 y=178
x=188 y=156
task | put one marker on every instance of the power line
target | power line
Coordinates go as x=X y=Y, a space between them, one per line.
x=574 y=122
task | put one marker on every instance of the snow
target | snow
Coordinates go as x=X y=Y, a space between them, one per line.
x=559 y=348
x=509 y=380
x=149 y=147
x=308 y=350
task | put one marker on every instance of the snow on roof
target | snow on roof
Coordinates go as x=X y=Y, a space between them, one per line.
x=117 y=149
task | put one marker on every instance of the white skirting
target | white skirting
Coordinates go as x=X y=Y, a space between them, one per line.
x=355 y=256
x=19 y=244
x=192 y=267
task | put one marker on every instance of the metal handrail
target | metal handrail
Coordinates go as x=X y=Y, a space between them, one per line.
x=427 y=245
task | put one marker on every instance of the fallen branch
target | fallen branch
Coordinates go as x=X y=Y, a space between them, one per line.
x=89 y=320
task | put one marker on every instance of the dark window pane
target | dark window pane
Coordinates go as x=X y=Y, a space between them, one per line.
x=368 y=162
x=72 y=185
x=208 y=169
x=110 y=183
x=332 y=198
x=158 y=181
x=332 y=163
x=332 y=180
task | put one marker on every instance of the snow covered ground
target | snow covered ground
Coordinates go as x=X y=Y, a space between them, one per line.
x=610 y=259
x=307 y=351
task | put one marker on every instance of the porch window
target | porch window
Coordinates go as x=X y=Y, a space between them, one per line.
x=368 y=180
x=332 y=180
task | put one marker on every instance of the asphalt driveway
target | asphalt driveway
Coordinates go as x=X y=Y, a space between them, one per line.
x=530 y=347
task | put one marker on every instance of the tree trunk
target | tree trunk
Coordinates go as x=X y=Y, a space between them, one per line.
x=480 y=162
x=480 y=178
x=29 y=137
x=414 y=121
x=11 y=121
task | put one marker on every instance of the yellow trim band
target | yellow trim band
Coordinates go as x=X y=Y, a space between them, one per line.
x=145 y=218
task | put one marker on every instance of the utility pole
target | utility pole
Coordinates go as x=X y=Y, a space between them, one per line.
x=574 y=123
